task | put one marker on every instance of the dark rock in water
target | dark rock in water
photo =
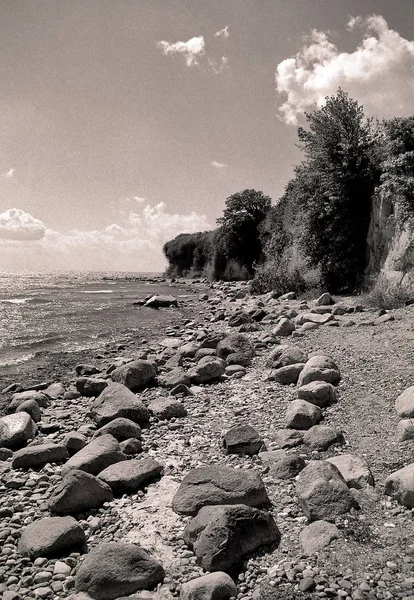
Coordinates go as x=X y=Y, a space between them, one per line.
x=121 y=429
x=161 y=302
x=16 y=430
x=207 y=369
x=39 y=455
x=222 y=537
x=236 y=349
x=118 y=401
x=96 y=456
x=242 y=439
x=213 y=586
x=51 y=536
x=114 y=569
x=86 y=370
x=128 y=476
x=89 y=386
x=135 y=375
x=79 y=492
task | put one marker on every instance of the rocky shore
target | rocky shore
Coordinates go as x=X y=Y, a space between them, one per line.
x=259 y=447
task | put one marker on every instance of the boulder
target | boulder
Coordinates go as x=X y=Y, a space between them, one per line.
x=242 y=439
x=353 y=469
x=128 y=476
x=118 y=401
x=222 y=537
x=325 y=300
x=90 y=386
x=32 y=408
x=159 y=301
x=116 y=569
x=288 y=438
x=218 y=484
x=319 y=368
x=404 y=404
x=321 y=437
x=320 y=393
x=135 y=375
x=285 y=355
x=236 y=349
x=86 y=370
x=16 y=430
x=284 y=328
x=39 y=455
x=235 y=371
x=302 y=415
x=204 y=352
x=79 y=492
x=314 y=318
x=121 y=429
x=131 y=446
x=400 y=485
x=239 y=318
x=213 y=586
x=317 y=536
x=96 y=456
x=74 y=441
x=322 y=492
x=207 y=369
x=167 y=408
x=405 y=430
x=286 y=375
x=287 y=297
x=51 y=536
x=177 y=376
x=55 y=390
x=38 y=396
x=282 y=465
x=189 y=349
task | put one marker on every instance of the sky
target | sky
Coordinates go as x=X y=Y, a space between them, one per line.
x=124 y=123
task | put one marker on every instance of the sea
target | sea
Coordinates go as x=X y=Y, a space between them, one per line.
x=61 y=312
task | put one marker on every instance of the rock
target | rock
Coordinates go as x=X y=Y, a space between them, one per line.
x=5 y=454
x=204 y=352
x=288 y=296
x=286 y=375
x=242 y=439
x=74 y=441
x=405 y=430
x=321 y=437
x=86 y=370
x=121 y=429
x=79 y=492
x=317 y=536
x=128 y=476
x=55 y=390
x=288 y=438
x=131 y=446
x=235 y=371
x=281 y=464
x=239 y=318
x=320 y=393
x=114 y=569
x=404 y=404
x=96 y=456
x=236 y=349
x=322 y=492
x=118 y=401
x=189 y=350
x=353 y=469
x=32 y=408
x=213 y=586
x=319 y=368
x=218 y=484
x=222 y=537
x=177 y=376
x=314 y=318
x=161 y=302
x=135 y=375
x=207 y=369
x=181 y=390
x=171 y=343
x=167 y=408
x=90 y=386
x=51 y=536
x=400 y=485
x=16 y=430
x=176 y=360
x=324 y=300
x=38 y=396
x=284 y=328
x=39 y=455
x=302 y=415
x=384 y=319
x=285 y=355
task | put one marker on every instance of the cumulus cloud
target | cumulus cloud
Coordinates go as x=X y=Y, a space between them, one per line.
x=223 y=32
x=218 y=165
x=191 y=50
x=379 y=73
x=135 y=244
x=15 y=224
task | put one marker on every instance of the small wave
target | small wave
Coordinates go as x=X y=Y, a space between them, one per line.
x=98 y=292
x=15 y=300
x=9 y=362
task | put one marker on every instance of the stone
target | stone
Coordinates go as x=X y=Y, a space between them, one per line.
x=121 y=429
x=242 y=439
x=90 y=386
x=405 y=430
x=55 y=390
x=135 y=375
x=285 y=355
x=177 y=376
x=288 y=438
x=404 y=404
x=284 y=328
x=322 y=492
x=32 y=408
x=86 y=370
x=222 y=537
x=128 y=476
x=288 y=296
x=236 y=349
x=95 y=456
x=40 y=397
x=39 y=455
x=384 y=319
x=79 y=492
x=167 y=408
x=16 y=430
x=319 y=368
x=353 y=469
x=131 y=446
x=320 y=393
x=321 y=437
x=302 y=415
x=5 y=454
x=74 y=441
x=282 y=465
x=181 y=390
x=286 y=375
x=325 y=300
x=218 y=484
x=314 y=318
x=207 y=369
x=239 y=318
x=115 y=569
x=400 y=485
x=189 y=350
x=213 y=586
x=159 y=301
x=317 y=536
x=204 y=352
x=118 y=401
x=235 y=371
x=51 y=536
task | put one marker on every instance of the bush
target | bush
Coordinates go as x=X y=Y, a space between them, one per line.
x=388 y=296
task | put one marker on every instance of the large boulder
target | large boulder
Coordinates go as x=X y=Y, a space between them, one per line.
x=39 y=455
x=79 y=492
x=285 y=355
x=319 y=368
x=51 y=536
x=128 y=476
x=218 y=484
x=160 y=301
x=321 y=437
x=16 y=430
x=135 y=375
x=400 y=485
x=288 y=438
x=121 y=429
x=118 y=401
x=322 y=492
x=302 y=415
x=40 y=397
x=222 y=537
x=284 y=328
x=116 y=569
x=176 y=376
x=317 y=536
x=90 y=386
x=320 y=393
x=405 y=430
x=236 y=349
x=213 y=586
x=286 y=375
x=404 y=404
x=325 y=300
x=353 y=469
x=207 y=369
x=32 y=408
x=282 y=465
x=96 y=456
x=242 y=439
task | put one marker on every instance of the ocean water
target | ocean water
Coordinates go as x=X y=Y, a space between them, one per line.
x=70 y=311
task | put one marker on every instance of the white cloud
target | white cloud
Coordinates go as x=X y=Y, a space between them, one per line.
x=218 y=165
x=192 y=49
x=135 y=244
x=223 y=32
x=15 y=224
x=379 y=73
x=10 y=173
x=218 y=66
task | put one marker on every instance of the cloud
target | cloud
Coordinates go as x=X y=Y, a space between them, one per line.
x=191 y=50
x=379 y=73
x=218 y=165
x=218 y=66
x=135 y=244
x=9 y=174
x=15 y=224
x=223 y=32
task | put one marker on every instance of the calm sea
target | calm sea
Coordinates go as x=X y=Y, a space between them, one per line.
x=70 y=311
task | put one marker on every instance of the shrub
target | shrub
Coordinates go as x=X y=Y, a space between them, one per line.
x=388 y=296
